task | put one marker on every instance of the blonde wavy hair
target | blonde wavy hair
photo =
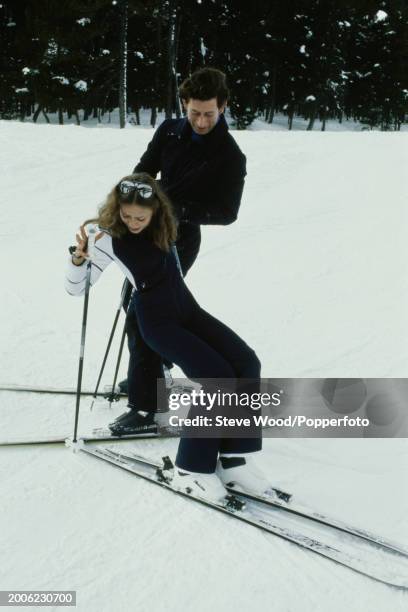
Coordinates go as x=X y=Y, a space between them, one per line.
x=162 y=227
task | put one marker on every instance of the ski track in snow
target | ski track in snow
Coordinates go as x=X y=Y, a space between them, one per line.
x=314 y=277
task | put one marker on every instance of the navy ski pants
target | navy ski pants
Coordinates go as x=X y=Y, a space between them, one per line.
x=203 y=347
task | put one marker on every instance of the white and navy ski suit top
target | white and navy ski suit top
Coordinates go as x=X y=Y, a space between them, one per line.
x=162 y=303
x=161 y=294
x=143 y=263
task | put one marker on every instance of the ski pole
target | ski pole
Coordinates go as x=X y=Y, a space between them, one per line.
x=115 y=322
x=91 y=244
x=111 y=397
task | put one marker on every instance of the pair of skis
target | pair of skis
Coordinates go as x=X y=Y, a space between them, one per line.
x=99 y=434
x=356 y=549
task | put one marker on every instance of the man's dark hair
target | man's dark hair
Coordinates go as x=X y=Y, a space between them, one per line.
x=205 y=84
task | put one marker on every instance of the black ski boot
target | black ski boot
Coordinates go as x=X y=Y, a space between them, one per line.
x=134 y=422
x=123 y=416
x=123 y=386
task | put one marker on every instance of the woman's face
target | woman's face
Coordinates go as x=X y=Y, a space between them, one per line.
x=135 y=217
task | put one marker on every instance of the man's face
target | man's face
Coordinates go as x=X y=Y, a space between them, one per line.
x=202 y=114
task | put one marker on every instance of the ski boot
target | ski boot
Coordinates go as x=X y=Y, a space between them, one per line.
x=134 y=422
x=207 y=487
x=123 y=386
x=240 y=473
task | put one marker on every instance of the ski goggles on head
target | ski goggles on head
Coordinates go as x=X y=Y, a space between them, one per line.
x=145 y=191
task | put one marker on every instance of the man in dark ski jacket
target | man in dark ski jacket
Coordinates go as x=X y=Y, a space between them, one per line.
x=202 y=170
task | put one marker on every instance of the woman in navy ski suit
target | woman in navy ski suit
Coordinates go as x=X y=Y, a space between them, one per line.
x=137 y=230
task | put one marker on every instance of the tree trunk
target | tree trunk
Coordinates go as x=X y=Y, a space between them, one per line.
x=290 y=119
x=176 y=43
x=137 y=115
x=312 y=118
x=45 y=116
x=273 y=91
x=60 y=116
x=323 y=119
x=171 y=59
x=76 y=115
x=123 y=63
x=153 y=117
x=311 y=123
x=158 y=66
x=37 y=112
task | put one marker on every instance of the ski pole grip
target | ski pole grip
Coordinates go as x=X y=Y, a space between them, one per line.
x=91 y=241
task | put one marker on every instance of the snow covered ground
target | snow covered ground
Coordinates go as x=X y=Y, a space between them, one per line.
x=313 y=275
